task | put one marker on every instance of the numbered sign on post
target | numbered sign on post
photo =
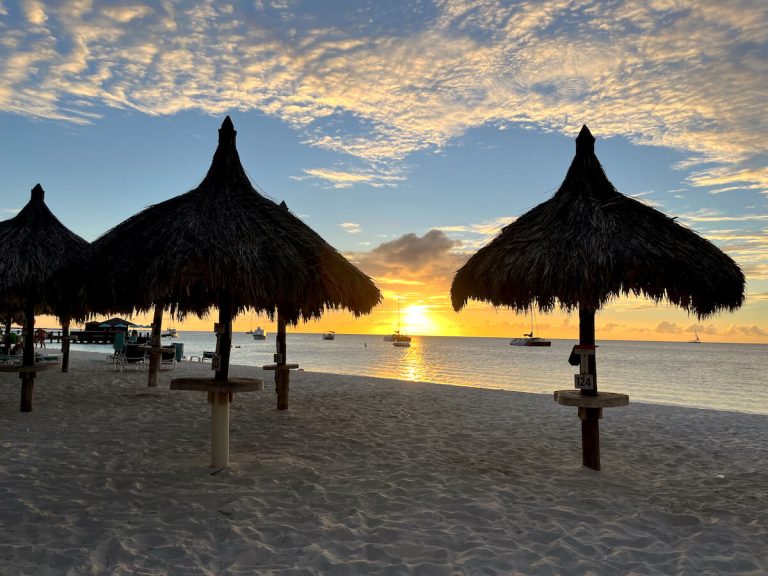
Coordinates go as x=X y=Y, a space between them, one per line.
x=584 y=381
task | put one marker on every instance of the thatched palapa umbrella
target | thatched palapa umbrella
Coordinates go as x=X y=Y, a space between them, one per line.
x=34 y=245
x=587 y=245
x=226 y=246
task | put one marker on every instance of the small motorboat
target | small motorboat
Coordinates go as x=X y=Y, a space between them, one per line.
x=331 y=335
x=259 y=334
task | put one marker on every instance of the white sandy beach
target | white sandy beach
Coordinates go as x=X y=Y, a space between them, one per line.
x=369 y=476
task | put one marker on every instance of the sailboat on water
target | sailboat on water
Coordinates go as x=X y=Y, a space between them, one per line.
x=696 y=340
x=397 y=339
x=529 y=339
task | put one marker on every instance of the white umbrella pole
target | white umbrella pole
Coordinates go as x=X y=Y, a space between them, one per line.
x=220 y=429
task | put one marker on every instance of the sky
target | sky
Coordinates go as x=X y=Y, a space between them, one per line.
x=406 y=133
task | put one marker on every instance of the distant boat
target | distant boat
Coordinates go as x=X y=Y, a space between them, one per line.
x=170 y=333
x=696 y=340
x=259 y=334
x=529 y=339
x=331 y=335
x=397 y=339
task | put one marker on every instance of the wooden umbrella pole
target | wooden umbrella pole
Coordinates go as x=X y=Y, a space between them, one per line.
x=154 y=353
x=221 y=398
x=28 y=378
x=590 y=417
x=282 y=375
x=65 y=345
x=8 y=322
x=587 y=338
x=224 y=335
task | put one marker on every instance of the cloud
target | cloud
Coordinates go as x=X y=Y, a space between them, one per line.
x=350 y=227
x=348 y=178
x=124 y=14
x=665 y=327
x=34 y=12
x=413 y=251
x=687 y=75
x=426 y=261
x=751 y=330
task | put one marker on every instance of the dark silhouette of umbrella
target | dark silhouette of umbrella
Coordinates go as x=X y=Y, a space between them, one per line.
x=222 y=245
x=589 y=244
x=34 y=246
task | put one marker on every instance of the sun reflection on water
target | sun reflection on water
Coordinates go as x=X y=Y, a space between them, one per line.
x=412 y=366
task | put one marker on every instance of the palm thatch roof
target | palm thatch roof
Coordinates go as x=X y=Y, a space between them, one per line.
x=222 y=238
x=34 y=245
x=588 y=244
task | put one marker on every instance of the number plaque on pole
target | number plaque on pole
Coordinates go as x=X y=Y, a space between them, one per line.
x=584 y=381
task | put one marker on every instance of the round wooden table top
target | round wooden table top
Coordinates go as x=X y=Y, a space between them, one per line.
x=602 y=400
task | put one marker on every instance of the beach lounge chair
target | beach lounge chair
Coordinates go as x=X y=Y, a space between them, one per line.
x=11 y=359
x=118 y=345
x=135 y=355
x=168 y=358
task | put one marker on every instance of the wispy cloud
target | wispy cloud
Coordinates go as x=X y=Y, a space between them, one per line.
x=687 y=74
x=348 y=178
x=350 y=227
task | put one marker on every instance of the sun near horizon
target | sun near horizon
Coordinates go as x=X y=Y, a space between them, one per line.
x=431 y=315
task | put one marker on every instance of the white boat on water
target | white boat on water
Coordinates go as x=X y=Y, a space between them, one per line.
x=170 y=333
x=259 y=334
x=529 y=339
x=330 y=335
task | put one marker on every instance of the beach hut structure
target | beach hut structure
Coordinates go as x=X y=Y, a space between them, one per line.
x=223 y=245
x=34 y=246
x=585 y=246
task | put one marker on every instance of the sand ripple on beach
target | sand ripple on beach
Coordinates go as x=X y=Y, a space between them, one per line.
x=367 y=476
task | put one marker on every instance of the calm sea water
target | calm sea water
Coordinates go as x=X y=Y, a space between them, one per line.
x=719 y=376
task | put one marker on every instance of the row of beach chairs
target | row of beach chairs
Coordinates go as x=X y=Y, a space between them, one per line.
x=18 y=359
x=138 y=356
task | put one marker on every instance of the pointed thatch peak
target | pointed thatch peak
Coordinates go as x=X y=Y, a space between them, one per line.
x=226 y=165
x=585 y=142
x=38 y=194
x=586 y=178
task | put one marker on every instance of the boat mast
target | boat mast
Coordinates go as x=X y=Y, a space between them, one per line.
x=398 y=313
